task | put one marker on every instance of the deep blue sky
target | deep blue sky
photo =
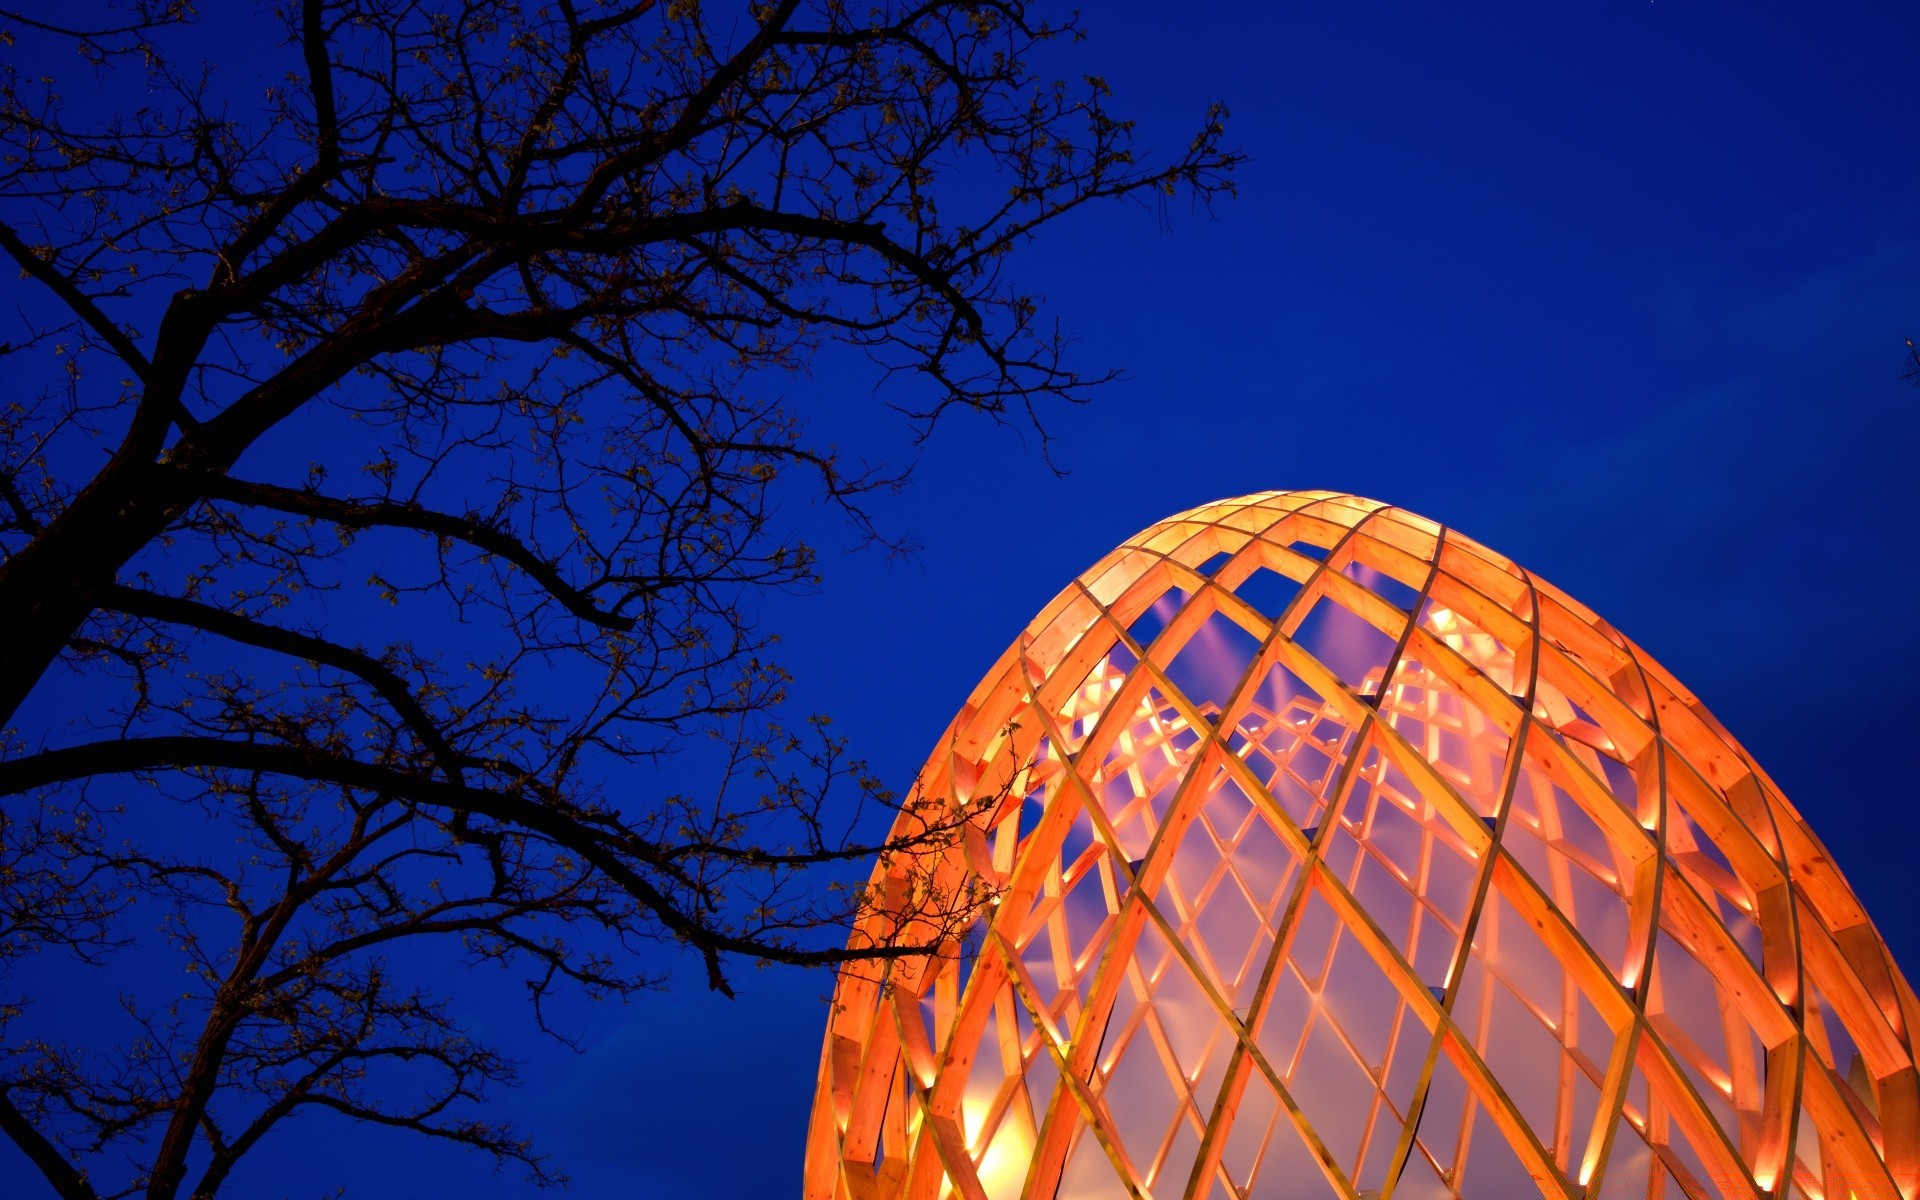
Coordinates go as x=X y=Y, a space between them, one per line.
x=1618 y=288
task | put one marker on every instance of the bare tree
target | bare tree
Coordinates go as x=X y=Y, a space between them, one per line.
x=532 y=278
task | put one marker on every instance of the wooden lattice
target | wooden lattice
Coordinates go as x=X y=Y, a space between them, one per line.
x=1336 y=855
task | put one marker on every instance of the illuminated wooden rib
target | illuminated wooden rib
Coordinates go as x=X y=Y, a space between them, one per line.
x=1341 y=856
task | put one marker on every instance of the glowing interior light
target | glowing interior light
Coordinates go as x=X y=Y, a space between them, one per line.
x=1004 y=1165
x=1366 y=788
x=973 y=1118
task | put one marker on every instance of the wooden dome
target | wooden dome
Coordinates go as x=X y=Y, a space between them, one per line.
x=1336 y=855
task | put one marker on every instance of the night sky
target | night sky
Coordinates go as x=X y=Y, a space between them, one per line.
x=1618 y=288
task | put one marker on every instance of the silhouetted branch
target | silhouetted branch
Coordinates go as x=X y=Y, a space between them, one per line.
x=391 y=477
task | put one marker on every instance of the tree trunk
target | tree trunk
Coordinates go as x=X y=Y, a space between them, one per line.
x=51 y=585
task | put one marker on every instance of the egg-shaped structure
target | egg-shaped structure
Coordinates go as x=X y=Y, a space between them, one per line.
x=1332 y=854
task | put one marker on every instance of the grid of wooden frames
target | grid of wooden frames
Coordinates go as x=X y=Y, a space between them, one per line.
x=1334 y=854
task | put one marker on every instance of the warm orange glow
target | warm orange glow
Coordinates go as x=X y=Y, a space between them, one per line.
x=1322 y=819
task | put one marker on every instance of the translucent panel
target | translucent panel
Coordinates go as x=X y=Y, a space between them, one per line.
x=1211 y=663
x=1140 y=775
x=1667 y=1122
x=1139 y=1092
x=1349 y=644
x=1334 y=1089
x=1351 y=1052
x=1492 y=1168
x=1537 y=1030
x=1706 y=866
x=1420 y=1179
x=1467 y=748
x=1294 y=743
x=1833 y=1046
x=1089 y=1173
x=1169 y=1172
x=1289 y=1004
x=1002 y=1164
x=1257 y=1117
x=1281 y=1164
x=1405 y=866
x=1570 y=856
x=1068 y=931
x=1229 y=876
x=1700 y=1020
x=988 y=1087
x=1570 y=721
x=1809 y=1165
x=1632 y=1171
x=1444 y=1118
x=1167 y=1059
x=1189 y=1027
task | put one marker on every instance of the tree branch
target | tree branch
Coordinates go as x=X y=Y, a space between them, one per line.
x=377 y=675
x=66 y=1180
x=83 y=305
x=391 y=514
x=597 y=841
